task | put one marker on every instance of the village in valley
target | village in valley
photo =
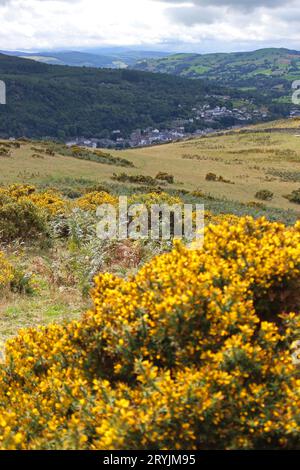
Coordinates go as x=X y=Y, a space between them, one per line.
x=203 y=120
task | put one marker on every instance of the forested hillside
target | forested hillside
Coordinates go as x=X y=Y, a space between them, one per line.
x=48 y=100
x=57 y=101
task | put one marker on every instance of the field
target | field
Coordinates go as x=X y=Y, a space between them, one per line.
x=252 y=161
x=142 y=344
x=277 y=62
x=270 y=69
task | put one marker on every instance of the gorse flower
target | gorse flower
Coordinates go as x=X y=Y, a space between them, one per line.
x=191 y=353
x=6 y=271
x=49 y=201
x=154 y=198
x=94 y=199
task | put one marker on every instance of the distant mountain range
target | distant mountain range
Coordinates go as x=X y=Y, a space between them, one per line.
x=105 y=58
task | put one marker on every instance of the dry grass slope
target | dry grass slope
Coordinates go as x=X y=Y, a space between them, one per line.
x=252 y=160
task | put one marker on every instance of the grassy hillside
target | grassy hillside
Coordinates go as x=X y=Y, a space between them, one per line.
x=134 y=344
x=274 y=68
x=274 y=62
x=246 y=161
x=259 y=158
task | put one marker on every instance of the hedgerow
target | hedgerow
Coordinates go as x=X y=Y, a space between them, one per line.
x=194 y=352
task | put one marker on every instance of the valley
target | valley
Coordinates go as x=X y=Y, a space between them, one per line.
x=63 y=102
x=149 y=231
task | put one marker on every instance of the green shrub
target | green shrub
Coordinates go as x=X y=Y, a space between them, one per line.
x=264 y=195
x=139 y=179
x=219 y=179
x=211 y=177
x=22 y=281
x=4 y=152
x=165 y=177
x=82 y=153
x=294 y=196
x=179 y=356
x=21 y=220
x=256 y=204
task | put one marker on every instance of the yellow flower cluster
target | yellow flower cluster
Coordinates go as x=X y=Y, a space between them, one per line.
x=49 y=201
x=191 y=353
x=92 y=200
x=154 y=198
x=54 y=203
x=211 y=218
x=6 y=271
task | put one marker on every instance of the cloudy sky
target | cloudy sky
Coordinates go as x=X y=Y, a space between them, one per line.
x=174 y=25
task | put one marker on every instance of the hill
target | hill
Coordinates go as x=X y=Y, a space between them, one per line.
x=104 y=59
x=245 y=162
x=153 y=302
x=275 y=68
x=57 y=101
x=61 y=102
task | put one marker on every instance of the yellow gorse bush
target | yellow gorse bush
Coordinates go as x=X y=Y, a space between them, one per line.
x=194 y=352
x=211 y=218
x=50 y=201
x=6 y=271
x=92 y=200
x=154 y=198
x=16 y=191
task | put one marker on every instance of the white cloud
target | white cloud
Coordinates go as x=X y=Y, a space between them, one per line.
x=65 y=23
x=196 y=25
x=244 y=5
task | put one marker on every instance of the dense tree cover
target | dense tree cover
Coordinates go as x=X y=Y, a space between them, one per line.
x=60 y=101
x=46 y=100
